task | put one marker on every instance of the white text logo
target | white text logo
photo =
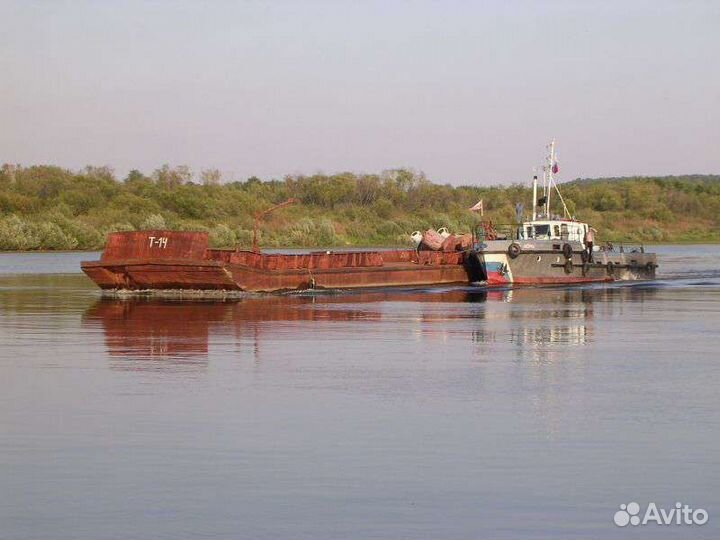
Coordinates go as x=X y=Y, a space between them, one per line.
x=160 y=242
x=680 y=514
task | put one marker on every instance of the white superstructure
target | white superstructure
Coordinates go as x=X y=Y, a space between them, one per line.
x=561 y=229
x=545 y=226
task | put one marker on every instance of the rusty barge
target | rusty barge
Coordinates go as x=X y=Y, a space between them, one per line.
x=547 y=249
x=171 y=260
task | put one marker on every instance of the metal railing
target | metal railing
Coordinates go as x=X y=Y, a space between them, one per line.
x=621 y=247
x=490 y=231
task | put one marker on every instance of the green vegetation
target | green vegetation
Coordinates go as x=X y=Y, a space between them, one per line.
x=46 y=207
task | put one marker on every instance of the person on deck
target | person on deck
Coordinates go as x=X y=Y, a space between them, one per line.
x=589 y=242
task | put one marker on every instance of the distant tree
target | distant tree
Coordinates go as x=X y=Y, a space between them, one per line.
x=135 y=176
x=184 y=173
x=8 y=172
x=368 y=189
x=211 y=177
x=172 y=176
x=104 y=172
x=404 y=179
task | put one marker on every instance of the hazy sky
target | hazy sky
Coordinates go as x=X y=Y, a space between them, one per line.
x=464 y=91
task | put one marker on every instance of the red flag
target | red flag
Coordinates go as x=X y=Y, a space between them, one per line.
x=478 y=207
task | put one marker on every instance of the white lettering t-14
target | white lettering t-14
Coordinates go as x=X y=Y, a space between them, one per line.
x=158 y=241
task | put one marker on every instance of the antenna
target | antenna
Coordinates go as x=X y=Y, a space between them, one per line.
x=534 y=214
x=549 y=172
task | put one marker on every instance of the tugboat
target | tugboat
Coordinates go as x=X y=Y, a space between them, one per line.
x=546 y=249
x=553 y=249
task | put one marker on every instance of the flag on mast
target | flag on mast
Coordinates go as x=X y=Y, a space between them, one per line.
x=478 y=207
x=555 y=168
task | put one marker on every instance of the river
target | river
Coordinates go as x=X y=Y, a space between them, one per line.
x=417 y=414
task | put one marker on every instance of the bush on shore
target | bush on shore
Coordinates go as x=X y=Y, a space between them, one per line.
x=46 y=207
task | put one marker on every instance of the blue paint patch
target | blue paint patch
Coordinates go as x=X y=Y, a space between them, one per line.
x=493 y=266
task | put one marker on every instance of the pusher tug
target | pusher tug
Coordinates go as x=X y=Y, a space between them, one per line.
x=544 y=250
x=552 y=249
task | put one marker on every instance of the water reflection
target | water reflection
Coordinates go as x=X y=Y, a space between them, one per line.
x=143 y=331
x=146 y=330
x=538 y=343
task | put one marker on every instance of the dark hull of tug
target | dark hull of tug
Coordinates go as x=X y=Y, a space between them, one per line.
x=543 y=263
x=168 y=260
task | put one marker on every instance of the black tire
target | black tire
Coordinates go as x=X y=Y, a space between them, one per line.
x=514 y=250
x=568 y=266
x=475 y=266
x=610 y=268
x=584 y=256
x=585 y=268
x=650 y=268
x=567 y=251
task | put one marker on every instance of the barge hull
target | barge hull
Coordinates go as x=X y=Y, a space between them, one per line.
x=212 y=276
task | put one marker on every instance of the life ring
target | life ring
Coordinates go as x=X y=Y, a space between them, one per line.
x=514 y=250
x=610 y=266
x=567 y=251
x=568 y=266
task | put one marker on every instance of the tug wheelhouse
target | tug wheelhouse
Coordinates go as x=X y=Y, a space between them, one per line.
x=562 y=230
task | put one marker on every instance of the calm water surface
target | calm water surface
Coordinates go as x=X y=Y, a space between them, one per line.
x=443 y=414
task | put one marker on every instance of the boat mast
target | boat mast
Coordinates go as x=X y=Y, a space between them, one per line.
x=549 y=177
x=550 y=171
x=534 y=214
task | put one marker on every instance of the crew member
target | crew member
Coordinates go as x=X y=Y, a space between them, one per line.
x=589 y=242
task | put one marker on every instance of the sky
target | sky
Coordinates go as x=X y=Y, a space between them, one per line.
x=467 y=92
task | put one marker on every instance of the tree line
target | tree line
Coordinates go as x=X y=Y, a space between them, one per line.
x=48 y=207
